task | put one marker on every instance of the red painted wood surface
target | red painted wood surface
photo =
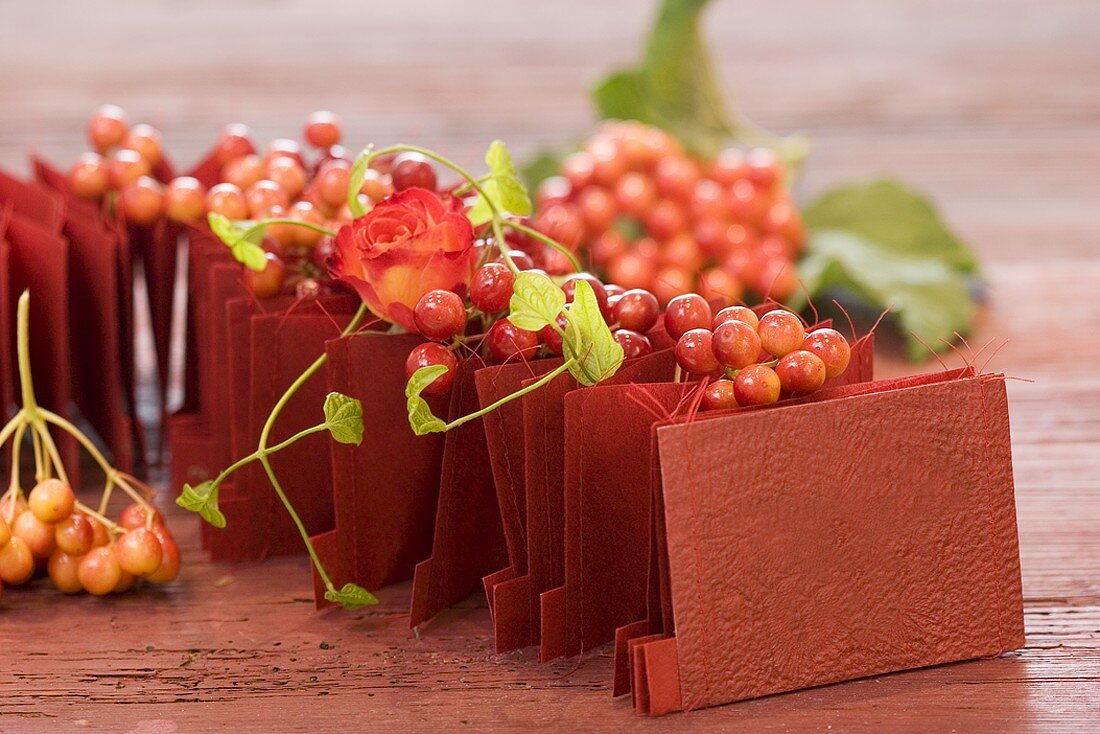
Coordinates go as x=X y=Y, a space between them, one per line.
x=991 y=106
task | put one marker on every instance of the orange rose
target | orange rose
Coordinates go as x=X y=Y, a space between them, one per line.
x=409 y=244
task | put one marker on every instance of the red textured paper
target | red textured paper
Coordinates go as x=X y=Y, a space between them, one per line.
x=468 y=541
x=607 y=507
x=900 y=553
x=98 y=386
x=519 y=466
x=39 y=260
x=385 y=489
x=32 y=201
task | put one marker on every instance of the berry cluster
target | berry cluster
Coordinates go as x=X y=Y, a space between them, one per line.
x=309 y=193
x=82 y=550
x=650 y=216
x=121 y=169
x=445 y=318
x=755 y=359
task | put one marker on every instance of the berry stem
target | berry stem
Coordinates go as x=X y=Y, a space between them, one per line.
x=113 y=527
x=265 y=223
x=262 y=449
x=509 y=398
x=550 y=241
x=13 y=484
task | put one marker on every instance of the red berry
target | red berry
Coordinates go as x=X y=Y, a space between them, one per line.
x=665 y=219
x=831 y=347
x=134 y=516
x=491 y=287
x=51 y=500
x=736 y=344
x=553 y=190
x=550 y=336
x=234 y=142
x=728 y=166
x=244 y=171
x=413 y=170
x=107 y=127
x=429 y=354
x=633 y=343
x=637 y=310
x=323 y=129
x=440 y=314
x=145 y=139
x=507 y=341
x=74 y=535
x=756 y=385
x=227 y=200
x=598 y=209
x=138 y=551
x=142 y=202
x=62 y=569
x=521 y=260
x=736 y=313
x=16 y=561
x=676 y=177
x=695 y=353
x=269 y=281
x=88 y=177
x=719 y=286
x=263 y=195
x=287 y=173
x=169 y=558
x=184 y=199
x=36 y=534
x=801 y=372
x=781 y=332
x=99 y=571
x=719 y=395
x=376 y=185
x=578 y=169
x=635 y=193
x=281 y=147
x=332 y=183
x=764 y=167
x=686 y=312
x=125 y=167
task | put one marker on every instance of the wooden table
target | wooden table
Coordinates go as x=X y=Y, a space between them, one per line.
x=991 y=106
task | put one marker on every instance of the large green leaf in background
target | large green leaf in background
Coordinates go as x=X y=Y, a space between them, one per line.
x=887 y=245
x=676 y=88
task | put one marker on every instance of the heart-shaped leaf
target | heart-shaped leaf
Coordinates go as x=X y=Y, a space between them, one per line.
x=421 y=418
x=588 y=339
x=503 y=187
x=344 y=418
x=202 y=499
x=243 y=239
x=536 y=301
x=351 y=597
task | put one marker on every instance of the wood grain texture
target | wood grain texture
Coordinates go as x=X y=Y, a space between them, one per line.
x=991 y=106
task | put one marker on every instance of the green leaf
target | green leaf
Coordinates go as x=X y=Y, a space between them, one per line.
x=344 y=418
x=930 y=298
x=503 y=187
x=536 y=301
x=421 y=418
x=893 y=216
x=243 y=239
x=351 y=597
x=355 y=181
x=588 y=339
x=202 y=499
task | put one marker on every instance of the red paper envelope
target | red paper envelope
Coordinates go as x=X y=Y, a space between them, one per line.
x=74 y=207
x=269 y=343
x=385 y=489
x=469 y=540
x=535 y=478
x=607 y=520
x=39 y=260
x=95 y=335
x=32 y=201
x=900 y=553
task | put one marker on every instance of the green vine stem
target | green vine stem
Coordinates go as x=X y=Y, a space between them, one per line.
x=47 y=458
x=563 y=368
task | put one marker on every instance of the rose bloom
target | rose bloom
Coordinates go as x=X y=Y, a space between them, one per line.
x=409 y=244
